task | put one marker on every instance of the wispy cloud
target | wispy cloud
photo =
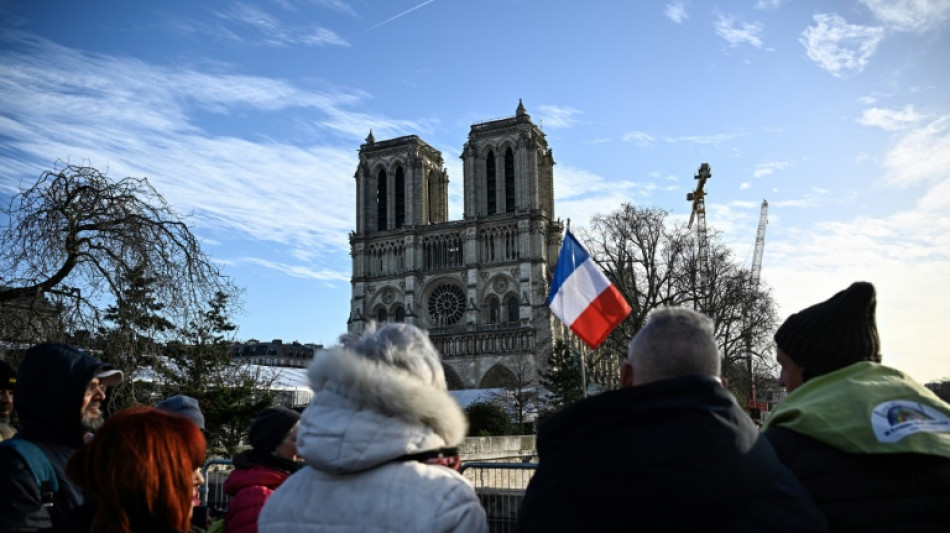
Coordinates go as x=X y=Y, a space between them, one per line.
x=910 y=15
x=274 y=32
x=769 y=4
x=890 y=119
x=644 y=139
x=136 y=119
x=335 y=5
x=737 y=32
x=555 y=117
x=641 y=138
x=716 y=138
x=676 y=12
x=297 y=271
x=922 y=155
x=764 y=169
x=744 y=185
x=837 y=46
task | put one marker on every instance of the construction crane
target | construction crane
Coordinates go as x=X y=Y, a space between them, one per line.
x=699 y=214
x=754 y=286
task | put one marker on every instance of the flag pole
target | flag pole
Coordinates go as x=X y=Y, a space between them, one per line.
x=576 y=343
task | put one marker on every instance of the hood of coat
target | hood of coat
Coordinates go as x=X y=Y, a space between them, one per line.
x=365 y=413
x=49 y=393
x=254 y=476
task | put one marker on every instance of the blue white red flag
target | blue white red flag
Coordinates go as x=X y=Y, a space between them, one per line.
x=582 y=296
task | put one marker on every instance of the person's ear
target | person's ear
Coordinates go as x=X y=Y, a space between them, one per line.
x=626 y=374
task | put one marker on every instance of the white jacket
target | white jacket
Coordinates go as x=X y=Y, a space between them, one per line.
x=364 y=415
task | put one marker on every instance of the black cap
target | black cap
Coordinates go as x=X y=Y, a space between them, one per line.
x=833 y=334
x=270 y=427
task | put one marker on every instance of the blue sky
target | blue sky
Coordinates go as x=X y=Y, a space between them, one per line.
x=248 y=116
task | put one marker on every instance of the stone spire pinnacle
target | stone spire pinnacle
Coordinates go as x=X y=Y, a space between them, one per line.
x=369 y=138
x=521 y=111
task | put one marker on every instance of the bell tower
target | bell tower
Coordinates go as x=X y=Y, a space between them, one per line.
x=400 y=182
x=508 y=168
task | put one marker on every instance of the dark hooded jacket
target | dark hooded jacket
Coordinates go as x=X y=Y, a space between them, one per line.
x=673 y=455
x=49 y=394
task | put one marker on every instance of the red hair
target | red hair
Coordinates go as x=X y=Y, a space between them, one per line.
x=139 y=469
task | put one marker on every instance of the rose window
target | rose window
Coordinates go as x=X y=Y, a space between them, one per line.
x=446 y=305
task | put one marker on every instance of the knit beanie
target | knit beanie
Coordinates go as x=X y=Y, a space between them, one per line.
x=833 y=334
x=270 y=427
x=185 y=406
x=7 y=376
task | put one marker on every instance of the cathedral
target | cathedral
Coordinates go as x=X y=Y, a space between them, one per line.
x=478 y=285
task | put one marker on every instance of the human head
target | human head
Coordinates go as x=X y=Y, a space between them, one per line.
x=58 y=392
x=185 y=406
x=7 y=383
x=270 y=430
x=832 y=334
x=140 y=470
x=400 y=345
x=674 y=342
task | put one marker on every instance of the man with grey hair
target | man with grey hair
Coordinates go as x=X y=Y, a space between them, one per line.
x=669 y=451
x=379 y=438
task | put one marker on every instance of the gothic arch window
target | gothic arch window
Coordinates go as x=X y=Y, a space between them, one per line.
x=452 y=379
x=446 y=304
x=498 y=243
x=509 y=181
x=498 y=377
x=434 y=198
x=400 y=197
x=400 y=314
x=381 y=200
x=381 y=314
x=442 y=251
x=494 y=310
x=511 y=309
x=490 y=181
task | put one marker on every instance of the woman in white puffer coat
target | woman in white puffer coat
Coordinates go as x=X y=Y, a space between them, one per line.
x=380 y=409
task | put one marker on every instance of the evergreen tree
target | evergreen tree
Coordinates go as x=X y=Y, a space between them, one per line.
x=562 y=378
x=487 y=419
x=199 y=365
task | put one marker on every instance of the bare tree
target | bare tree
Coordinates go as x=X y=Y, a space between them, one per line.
x=654 y=263
x=75 y=237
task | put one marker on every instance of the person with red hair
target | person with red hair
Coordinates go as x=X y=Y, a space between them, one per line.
x=140 y=473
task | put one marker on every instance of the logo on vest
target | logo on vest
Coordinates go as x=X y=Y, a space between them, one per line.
x=896 y=419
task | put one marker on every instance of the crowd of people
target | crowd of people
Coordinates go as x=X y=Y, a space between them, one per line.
x=855 y=446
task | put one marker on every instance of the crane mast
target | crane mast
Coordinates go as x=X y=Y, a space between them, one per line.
x=699 y=214
x=754 y=286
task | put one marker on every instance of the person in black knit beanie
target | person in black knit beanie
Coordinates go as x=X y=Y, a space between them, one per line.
x=260 y=470
x=870 y=444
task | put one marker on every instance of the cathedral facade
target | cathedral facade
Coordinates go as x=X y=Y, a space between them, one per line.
x=477 y=285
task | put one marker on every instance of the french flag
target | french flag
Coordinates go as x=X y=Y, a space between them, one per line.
x=582 y=296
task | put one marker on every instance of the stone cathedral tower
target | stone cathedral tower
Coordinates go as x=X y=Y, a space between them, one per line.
x=478 y=285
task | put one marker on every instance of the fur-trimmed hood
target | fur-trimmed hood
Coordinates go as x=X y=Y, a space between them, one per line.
x=365 y=413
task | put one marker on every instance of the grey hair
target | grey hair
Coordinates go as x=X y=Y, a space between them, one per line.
x=400 y=345
x=675 y=341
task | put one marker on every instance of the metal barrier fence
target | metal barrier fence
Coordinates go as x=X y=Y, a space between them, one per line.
x=500 y=488
x=212 y=492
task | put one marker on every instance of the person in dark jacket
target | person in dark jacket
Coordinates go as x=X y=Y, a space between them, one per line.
x=260 y=470
x=57 y=395
x=870 y=444
x=7 y=383
x=669 y=451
